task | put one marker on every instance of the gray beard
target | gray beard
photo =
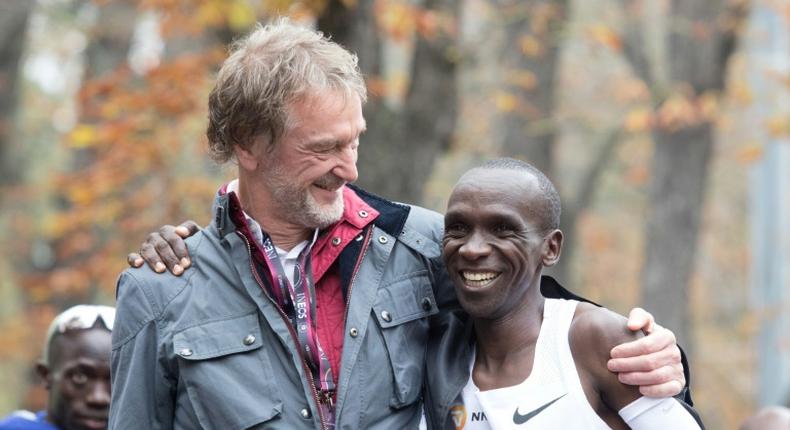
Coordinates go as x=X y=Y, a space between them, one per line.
x=299 y=206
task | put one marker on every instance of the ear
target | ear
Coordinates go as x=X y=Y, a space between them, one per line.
x=552 y=247
x=42 y=370
x=246 y=156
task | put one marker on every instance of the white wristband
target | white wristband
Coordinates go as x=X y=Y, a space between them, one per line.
x=648 y=413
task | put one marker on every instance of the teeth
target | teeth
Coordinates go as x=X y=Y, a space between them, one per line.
x=479 y=276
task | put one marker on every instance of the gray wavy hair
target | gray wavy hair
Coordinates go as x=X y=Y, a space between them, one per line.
x=266 y=71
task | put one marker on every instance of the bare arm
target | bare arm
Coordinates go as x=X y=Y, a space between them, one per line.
x=653 y=362
x=593 y=333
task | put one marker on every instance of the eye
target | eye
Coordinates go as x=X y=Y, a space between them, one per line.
x=324 y=150
x=79 y=378
x=503 y=229
x=455 y=230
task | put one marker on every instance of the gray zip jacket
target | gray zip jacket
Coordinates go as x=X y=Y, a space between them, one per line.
x=210 y=350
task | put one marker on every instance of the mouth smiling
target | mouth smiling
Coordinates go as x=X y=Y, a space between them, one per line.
x=328 y=187
x=478 y=279
x=328 y=192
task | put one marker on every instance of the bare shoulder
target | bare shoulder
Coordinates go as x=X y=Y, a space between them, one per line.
x=598 y=329
x=593 y=333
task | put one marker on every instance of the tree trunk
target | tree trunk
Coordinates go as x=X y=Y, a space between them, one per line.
x=355 y=28
x=573 y=208
x=107 y=50
x=677 y=192
x=424 y=128
x=528 y=69
x=400 y=147
x=110 y=38
x=691 y=61
x=13 y=30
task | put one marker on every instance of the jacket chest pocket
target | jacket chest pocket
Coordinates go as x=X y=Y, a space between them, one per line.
x=227 y=375
x=402 y=309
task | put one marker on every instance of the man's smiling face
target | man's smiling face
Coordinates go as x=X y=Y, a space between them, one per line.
x=306 y=169
x=493 y=242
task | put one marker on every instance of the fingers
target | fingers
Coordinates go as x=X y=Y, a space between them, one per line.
x=668 y=389
x=647 y=362
x=187 y=228
x=170 y=248
x=659 y=339
x=640 y=319
x=134 y=260
x=157 y=252
x=150 y=255
x=658 y=375
x=166 y=249
x=174 y=252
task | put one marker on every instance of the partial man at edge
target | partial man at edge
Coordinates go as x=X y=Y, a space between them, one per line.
x=75 y=367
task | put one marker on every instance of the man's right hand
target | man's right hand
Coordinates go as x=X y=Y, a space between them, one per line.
x=165 y=249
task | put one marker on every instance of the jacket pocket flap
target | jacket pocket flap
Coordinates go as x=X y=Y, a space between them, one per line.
x=218 y=338
x=416 y=241
x=405 y=299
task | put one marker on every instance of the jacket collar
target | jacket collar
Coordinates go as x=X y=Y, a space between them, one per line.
x=392 y=216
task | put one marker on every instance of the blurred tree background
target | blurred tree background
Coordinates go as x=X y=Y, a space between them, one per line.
x=665 y=124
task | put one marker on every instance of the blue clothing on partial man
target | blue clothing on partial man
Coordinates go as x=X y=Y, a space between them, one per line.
x=26 y=420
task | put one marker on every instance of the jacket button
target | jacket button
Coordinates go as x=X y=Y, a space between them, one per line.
x=363 y=214
x=383 y=239
x=353 y=332
x=336 y=241
x=186 y=352
x=249 y=339
x=426 y=304
x=358 y=238
x=386 y=316
x=305 y=413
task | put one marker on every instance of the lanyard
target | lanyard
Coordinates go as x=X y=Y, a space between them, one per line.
x=296 y=300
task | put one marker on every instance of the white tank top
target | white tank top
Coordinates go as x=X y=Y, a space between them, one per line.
x=550 y=398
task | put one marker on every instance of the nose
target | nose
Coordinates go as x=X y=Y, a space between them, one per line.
x=346 y=167
x=99 y=395
x=475 y=247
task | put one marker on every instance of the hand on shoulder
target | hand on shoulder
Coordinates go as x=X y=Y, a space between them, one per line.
x=165 y=249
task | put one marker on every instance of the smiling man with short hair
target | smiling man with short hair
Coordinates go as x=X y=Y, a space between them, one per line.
x=522 y=358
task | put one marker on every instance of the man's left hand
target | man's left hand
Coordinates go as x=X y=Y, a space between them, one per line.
x=652 y=362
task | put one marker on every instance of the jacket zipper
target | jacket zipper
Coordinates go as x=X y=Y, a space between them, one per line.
x=305 y=367
x=365 y=244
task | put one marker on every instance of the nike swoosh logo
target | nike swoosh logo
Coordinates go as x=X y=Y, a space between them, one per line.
x=521 y=419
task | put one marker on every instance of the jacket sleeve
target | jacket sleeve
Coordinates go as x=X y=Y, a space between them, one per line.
x=142 y=393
